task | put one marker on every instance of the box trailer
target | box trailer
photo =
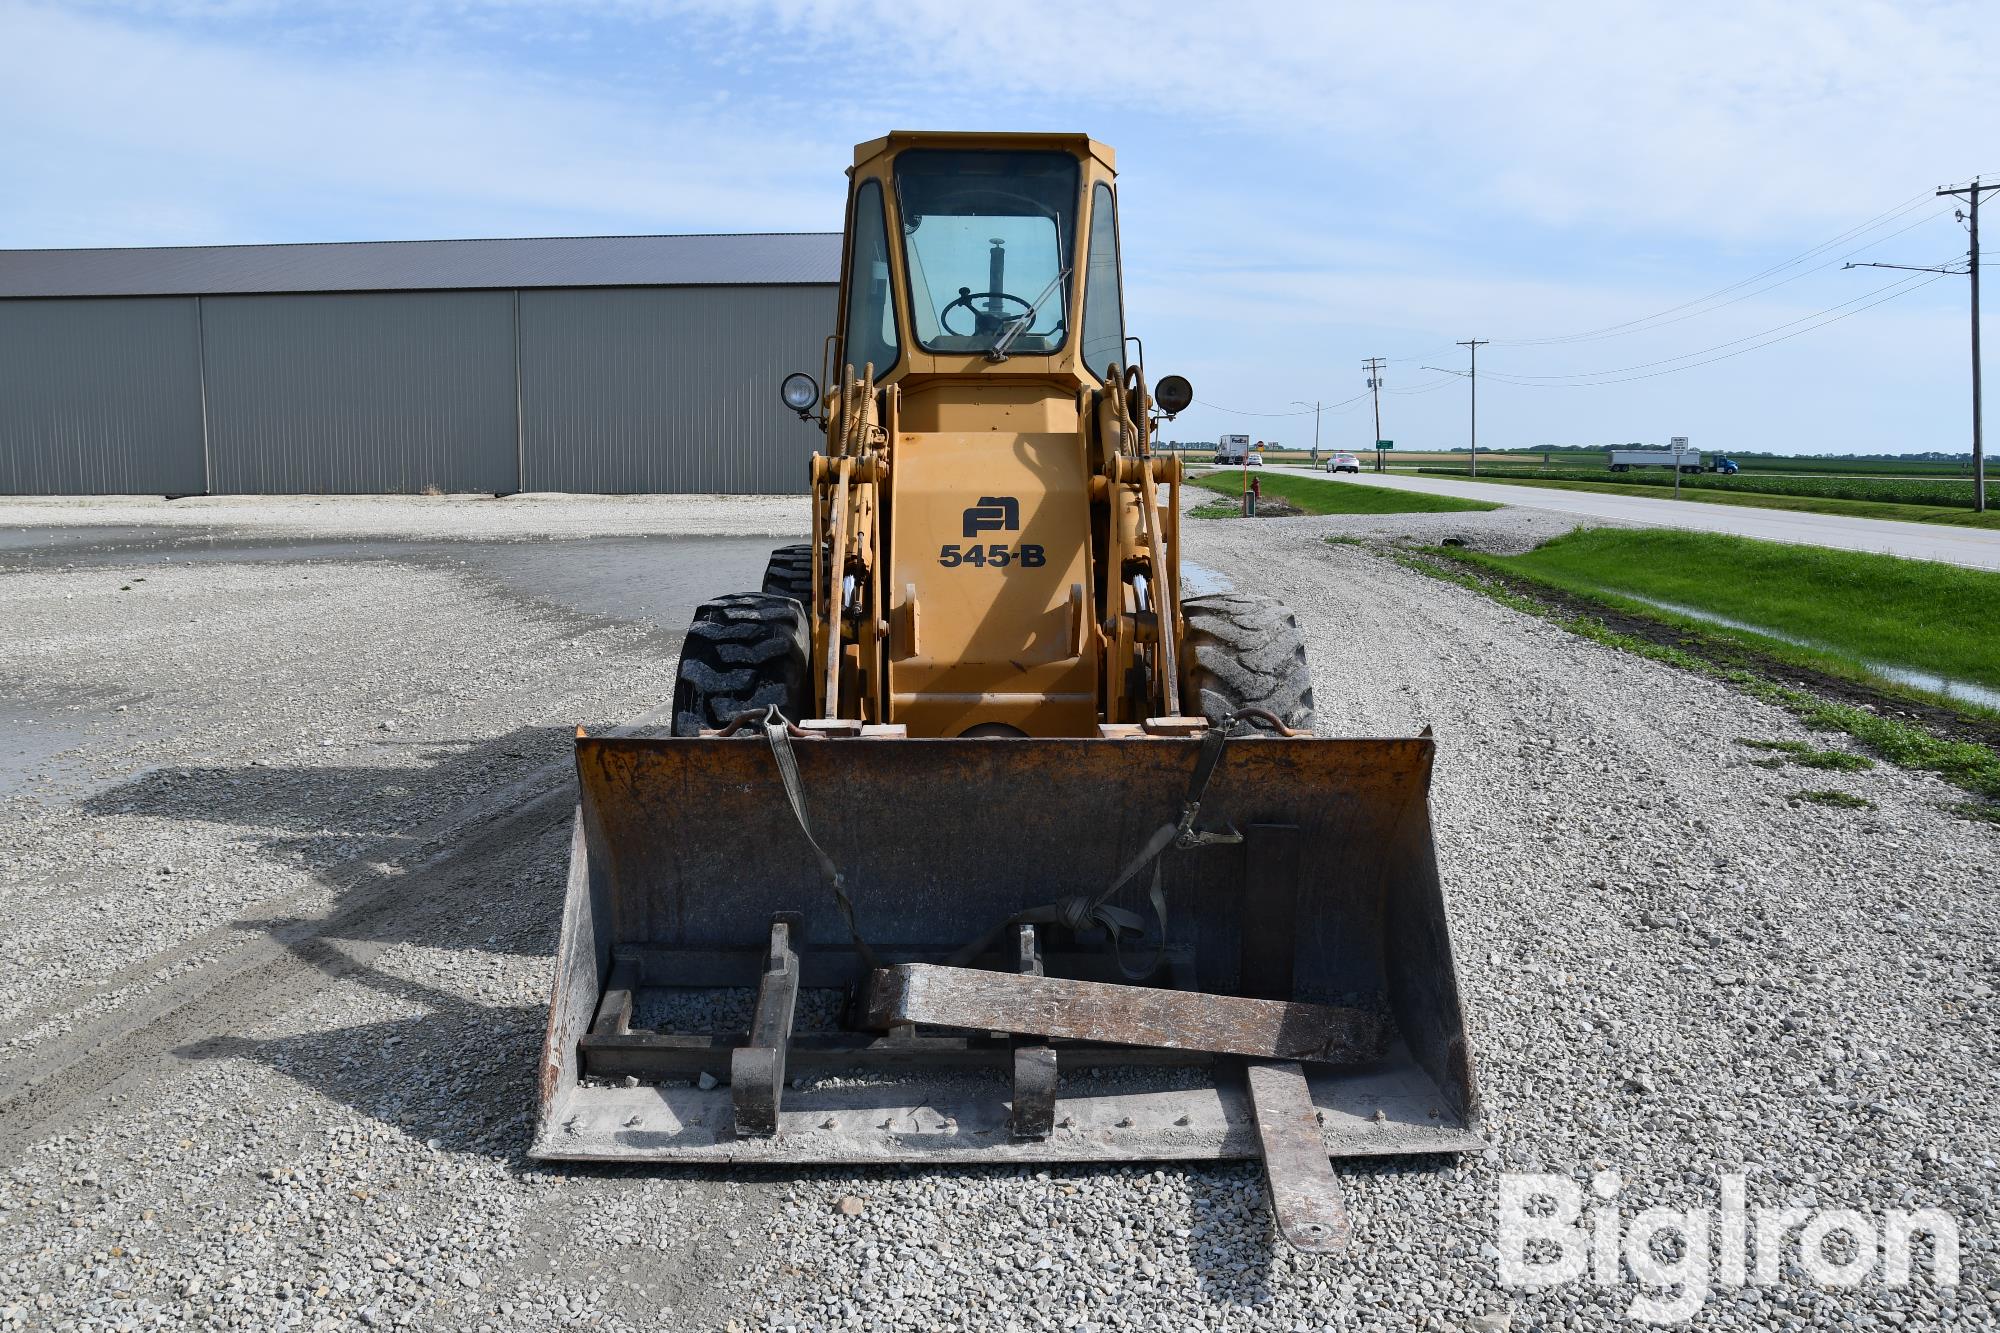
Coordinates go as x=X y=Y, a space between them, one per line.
x=1624 y=460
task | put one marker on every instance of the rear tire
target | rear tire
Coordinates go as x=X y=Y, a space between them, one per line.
x=743 y=653
x=1244 y=651
x=790 y=573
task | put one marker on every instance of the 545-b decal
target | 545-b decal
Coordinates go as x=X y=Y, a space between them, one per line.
x=1026 y=556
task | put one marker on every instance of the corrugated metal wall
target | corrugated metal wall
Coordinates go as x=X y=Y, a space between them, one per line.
x=599 y=389
x=347 y=393
x=100 y=397
x=667 y=388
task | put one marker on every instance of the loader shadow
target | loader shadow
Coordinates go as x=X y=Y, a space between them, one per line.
x=348 y=825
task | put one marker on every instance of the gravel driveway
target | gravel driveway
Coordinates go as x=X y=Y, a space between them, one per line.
x=280 y=859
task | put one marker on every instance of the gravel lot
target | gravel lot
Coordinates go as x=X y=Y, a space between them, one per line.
x=280 y=857
x=522 y=517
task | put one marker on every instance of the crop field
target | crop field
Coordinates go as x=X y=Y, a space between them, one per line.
x=1904 y=467
x=1915 y=490
x=1592 y=461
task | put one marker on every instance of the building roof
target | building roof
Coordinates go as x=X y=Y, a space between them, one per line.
x=761 y=259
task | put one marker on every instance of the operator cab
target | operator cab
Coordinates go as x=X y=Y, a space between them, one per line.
x=971 y=250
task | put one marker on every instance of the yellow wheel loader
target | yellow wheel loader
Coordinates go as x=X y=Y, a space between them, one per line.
x=977 y=840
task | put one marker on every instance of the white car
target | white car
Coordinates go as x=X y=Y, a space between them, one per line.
x=1344 y=463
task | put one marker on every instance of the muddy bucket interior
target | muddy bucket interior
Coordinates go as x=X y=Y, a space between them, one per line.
x=711 y=1004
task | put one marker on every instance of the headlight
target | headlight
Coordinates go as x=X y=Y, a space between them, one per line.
x=1172 y=395
x=800 y=392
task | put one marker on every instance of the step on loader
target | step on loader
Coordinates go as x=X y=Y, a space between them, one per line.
x=977 y=841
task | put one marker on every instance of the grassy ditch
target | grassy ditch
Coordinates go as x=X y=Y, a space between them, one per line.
x=1309 y=495
x=1964 y=750
x=1902 y=500
x=1855 y=607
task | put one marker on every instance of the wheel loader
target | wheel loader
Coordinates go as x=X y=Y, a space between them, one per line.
x=979 y=839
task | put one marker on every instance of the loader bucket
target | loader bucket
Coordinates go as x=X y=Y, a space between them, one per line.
x=710 y=1004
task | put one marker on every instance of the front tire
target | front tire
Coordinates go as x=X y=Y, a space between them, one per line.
x=743 y=653
x=1244 y=651
x=789 y=573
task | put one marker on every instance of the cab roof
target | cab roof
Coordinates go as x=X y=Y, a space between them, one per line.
x=897 y=140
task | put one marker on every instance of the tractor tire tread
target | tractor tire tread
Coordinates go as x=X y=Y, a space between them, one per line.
x=744 y=651
x=1245 y=651
x=789 y=573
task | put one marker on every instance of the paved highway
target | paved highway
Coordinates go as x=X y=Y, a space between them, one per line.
x=1976 y=548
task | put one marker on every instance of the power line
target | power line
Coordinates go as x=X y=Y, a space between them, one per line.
x=1592 y=384
x=1874 y=223
x=1659 y=322
x=1241 y=412
x=1430 y=387
x=1244 y=412
x=1669 y=360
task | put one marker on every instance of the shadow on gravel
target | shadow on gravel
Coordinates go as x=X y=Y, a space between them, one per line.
x=349 y=825
x=460 y=855
x=457 y=1075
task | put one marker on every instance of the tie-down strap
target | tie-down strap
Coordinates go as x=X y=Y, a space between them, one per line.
x=1080 y=912
x=777 y=732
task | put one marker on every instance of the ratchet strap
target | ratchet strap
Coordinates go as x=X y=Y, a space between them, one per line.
x=776 y=731
x=1080 y=912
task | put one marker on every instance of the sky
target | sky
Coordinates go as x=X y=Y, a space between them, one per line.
x=1587 y=185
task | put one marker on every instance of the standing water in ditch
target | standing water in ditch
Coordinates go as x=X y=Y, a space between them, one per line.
x=1964 y=691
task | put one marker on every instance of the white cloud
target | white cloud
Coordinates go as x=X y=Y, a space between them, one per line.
x=1304 y=184
x=1721 y=118
x=201 y=139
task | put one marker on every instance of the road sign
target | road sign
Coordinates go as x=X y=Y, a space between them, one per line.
x=1385 y=444
x=1679 y=444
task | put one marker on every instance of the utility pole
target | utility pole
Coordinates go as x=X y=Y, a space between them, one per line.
x=1970 y=216
x=1971 y=195
x=1473 y=345
x=1373 y=365
x=1300 y=402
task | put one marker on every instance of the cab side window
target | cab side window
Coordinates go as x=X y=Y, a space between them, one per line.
x=1103 y=313
x=870 y=329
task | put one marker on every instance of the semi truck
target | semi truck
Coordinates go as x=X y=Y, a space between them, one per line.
x=1233 y=449
x=1624 y=460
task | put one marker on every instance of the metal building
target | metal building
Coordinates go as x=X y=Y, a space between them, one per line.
x=602 y=363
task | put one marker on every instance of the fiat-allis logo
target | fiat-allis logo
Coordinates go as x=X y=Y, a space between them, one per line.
x=993 y=513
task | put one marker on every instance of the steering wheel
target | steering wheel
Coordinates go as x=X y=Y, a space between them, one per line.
x=966 y=296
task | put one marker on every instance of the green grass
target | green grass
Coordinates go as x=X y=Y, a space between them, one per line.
x=1855 y=606
x=1970 y=766
x=1313 y=496
x=1806 y=756
x=1965 y=764
x=1839 y=800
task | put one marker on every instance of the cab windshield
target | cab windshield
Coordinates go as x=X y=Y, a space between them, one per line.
x=987 y=240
